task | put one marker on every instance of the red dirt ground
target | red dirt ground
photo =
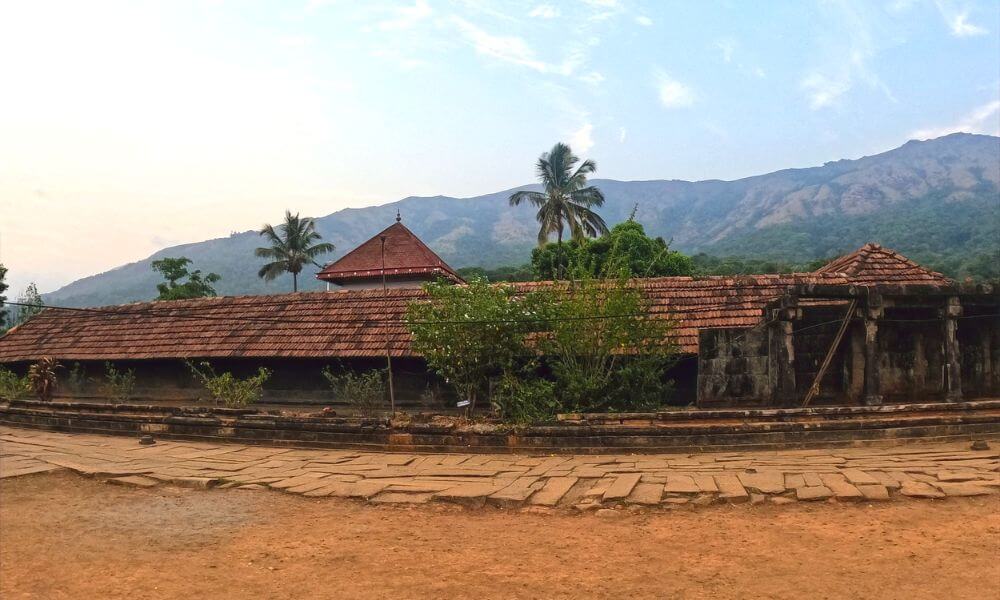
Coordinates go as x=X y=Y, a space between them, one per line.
x=64 y=536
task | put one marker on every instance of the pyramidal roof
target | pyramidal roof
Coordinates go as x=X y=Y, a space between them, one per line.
x=874 y=264
x=405 y=256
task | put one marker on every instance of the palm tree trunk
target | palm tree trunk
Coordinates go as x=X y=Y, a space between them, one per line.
x=559 y=267
x=295 y=281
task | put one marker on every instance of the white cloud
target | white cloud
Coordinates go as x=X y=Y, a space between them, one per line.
x=621 y=135
x=644 y=21
x=852 y=38
x=406 y=17
x=673 y=93
x=823 y=91
x=544 y=11
x=510 y=49
x=983 y=119
x=961 y=27
x=592 y=78
x=958 y=20
x=582 y=139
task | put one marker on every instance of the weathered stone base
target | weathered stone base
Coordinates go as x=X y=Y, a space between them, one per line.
x=694 y=430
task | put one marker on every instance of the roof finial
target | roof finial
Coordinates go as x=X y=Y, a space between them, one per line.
x=398 y=218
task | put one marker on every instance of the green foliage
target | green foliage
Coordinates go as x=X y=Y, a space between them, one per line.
x=119 y=385
x=705 y=264
x=30 y=304
x=228 y=389
x=175 y=269
x=291 y=249
x=471 y=334
x=13 y=387
x=957 y=238
x=625 y=250
x=364 y=392
x=42 y=377
x=592 y=337
x=524 y=400
x=76 y=379
x=509 y=273
x=605 y=352
x=568 y=200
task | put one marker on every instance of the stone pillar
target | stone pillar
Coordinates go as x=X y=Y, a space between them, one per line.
x=873 y=391
x=782 y=353
x=952 y=353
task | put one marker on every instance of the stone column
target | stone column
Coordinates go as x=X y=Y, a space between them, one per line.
x=873 y=392
x=952 y=353
x=782 y=353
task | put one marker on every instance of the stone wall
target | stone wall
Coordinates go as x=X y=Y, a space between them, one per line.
x=906 y=337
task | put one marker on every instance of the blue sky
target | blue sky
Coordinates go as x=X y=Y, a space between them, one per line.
x=135 y=125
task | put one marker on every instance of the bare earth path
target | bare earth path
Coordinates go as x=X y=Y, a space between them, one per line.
x=66 y=536
x=531 y=482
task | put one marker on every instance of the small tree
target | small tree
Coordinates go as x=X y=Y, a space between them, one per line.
x=229 y=389
x=605 y=351
x=364 y=392
x=472 y=335
x=119 y=385
x=175 y=269
x=29 y=304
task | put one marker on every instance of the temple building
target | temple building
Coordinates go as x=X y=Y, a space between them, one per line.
x=395 y=257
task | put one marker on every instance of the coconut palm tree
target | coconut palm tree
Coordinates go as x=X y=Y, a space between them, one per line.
x=567 y=200
x=291 y=248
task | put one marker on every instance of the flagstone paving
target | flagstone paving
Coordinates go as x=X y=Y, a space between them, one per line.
x=915 y=471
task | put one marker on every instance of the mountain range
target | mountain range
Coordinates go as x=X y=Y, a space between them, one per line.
x=937 y=201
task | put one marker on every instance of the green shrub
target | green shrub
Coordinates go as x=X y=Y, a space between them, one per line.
x=364 y=392
x=472 y=334
x=524 y=400
x=119 y=385
x=605 y=351
x=228 y=389
x=13 y=387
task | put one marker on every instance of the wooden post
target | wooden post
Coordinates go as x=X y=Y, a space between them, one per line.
x=952 y=352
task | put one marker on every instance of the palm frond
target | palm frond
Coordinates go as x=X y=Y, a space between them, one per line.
x=535 y=198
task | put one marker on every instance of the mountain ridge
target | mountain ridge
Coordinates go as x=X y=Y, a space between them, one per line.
x=786 y=214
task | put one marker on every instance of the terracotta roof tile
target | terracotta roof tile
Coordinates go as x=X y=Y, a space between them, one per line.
x=357 y=323
x=874 y=264
x=405 y=255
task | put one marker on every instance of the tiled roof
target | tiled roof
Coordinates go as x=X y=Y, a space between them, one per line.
x=355 y=323
x=405 y=255
x=874 y=264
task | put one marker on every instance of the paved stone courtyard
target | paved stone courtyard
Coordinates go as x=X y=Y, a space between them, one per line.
x=531 y=482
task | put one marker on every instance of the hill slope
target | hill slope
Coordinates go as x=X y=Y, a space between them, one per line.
x=931 y=200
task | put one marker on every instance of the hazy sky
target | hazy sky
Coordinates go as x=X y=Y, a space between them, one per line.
x=129 y=126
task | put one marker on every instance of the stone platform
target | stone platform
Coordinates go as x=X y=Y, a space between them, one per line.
x=693 y=430
x=584 y=482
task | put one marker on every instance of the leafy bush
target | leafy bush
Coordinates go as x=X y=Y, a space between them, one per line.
x=13 y=387
x=604 y=349
x=119 y=385
x=364 y=392
x=524 y=400
x=42 y=377
x=472 y=334
x=228 y=389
